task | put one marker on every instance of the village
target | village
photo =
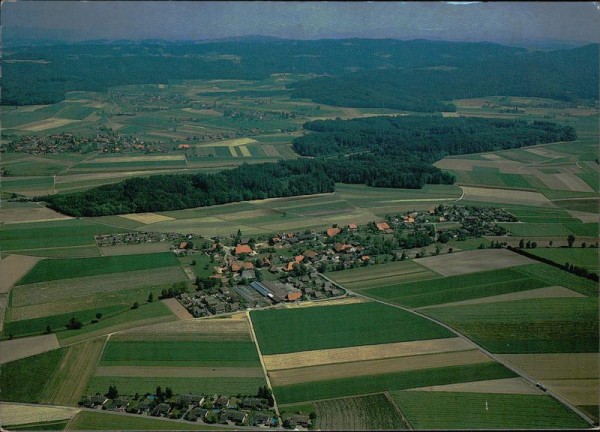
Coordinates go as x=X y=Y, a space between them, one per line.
x=254 y=411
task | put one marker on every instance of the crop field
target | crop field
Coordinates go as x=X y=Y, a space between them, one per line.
x=49 y=270
x=180 y=353
x=179 y=372
x=59 y=291
x=204 y=385
x=306 y=359
x=16 y=349
x=557 y=366
x=78 y=364
x=103 y=421
x=383 y=274
x=546 y=292
x=13 y=268
x=28 y=212
x=146 y=218
x=328 y=389
x=337 y=330
x=504 y=196
x=553 y=276
x=587 y=258
x=375 y=367
x=498 y=386
x=373 y=412
x=536 y=229
x=14 y=414
x=550 y=325
x=456 y=288
x=473 y=261
x=483 y=411
x=51 y=234
x=33 y=373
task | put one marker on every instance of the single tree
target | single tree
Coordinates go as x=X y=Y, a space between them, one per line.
x=150 y=298
x=135 y=305
x=48 y=329
x=168 y=393
x=98 y=315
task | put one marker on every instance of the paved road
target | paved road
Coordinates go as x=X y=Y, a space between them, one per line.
x=503 y=362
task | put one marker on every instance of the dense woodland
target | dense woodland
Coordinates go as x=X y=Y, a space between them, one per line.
x=377 y=151
x=399 y=151
x=174 y=192
x=414 y=75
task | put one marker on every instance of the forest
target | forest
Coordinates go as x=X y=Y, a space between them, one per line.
x=175 y=192
x=399 y=151
x=416 y=75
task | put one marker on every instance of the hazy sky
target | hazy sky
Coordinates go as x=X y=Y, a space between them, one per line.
x=175 y=20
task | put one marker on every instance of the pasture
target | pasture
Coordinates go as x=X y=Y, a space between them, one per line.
x=483 y=411
x=328 y=389
x=339 y=326
x=55 y=269
x=374 y=412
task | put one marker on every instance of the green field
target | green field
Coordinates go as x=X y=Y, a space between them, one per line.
x=339 y=326
x=456 y=288
x=86 y=420
x=587 y=258
x=447 y=410
x=62 y=233
x=554 y=276
x=536 y=229
x=584 y=205
x=24 y=380
x=209 y=386
x=546 y=325
x=43 y=426
x=180 y=353
x=54 y=269
x=328 y=389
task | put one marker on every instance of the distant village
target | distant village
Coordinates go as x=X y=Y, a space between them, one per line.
x=241 y=272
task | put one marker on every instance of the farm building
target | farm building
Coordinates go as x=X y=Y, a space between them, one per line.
x=332 y=232
x=293 y=296
x=242 y=249
x=384 y=227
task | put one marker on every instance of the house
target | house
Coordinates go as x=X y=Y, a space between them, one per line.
x=365 y=258
x=183 y=245
x=273 y=269
x=261 y=419
x=382 y=226
x=310 y=254
x=248 y=274
x=242 y=249
x=121 y=402
x=197 y=414
x=162 y=409
x=222 y=401
x=98 y=400
x=352 y=227
x=255 y=403
x=299 y=258
x=248 y=265
x=290 y=266
x=339 y=247
x=332 y=232
x=293 y=296
x=183 y=146
x=237 y=417
x=236 y=266
x=302 y=420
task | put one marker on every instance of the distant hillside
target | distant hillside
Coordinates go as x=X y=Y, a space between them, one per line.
x=360 y=72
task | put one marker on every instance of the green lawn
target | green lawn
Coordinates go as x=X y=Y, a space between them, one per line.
x=54 y=269
x=456 y=288
x=24 y=380
x=180 y=353
x=339 y=326
x=329 y=389
x=448 y=410
x=214 y=385
x=86 y=420
x=547 y=325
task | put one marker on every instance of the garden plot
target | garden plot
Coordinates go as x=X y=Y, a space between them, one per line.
x=473 y=261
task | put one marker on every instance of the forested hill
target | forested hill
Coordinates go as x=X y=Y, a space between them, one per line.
x=377 y=151
x=564 y=75
x=174 y=192
x=417 y=75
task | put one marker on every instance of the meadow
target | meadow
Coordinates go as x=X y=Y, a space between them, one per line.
x=86 y=420
x=484 y=411
x=581 y=257
x=339 y=326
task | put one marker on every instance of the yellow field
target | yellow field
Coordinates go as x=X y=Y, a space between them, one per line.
x=245 y=152
x=374 y=367
x=229 y=143
x=502 y=386
x=557 y=366
x=42 y=125
x=147 y=218
x=15 y=414
x=68 y=384
x=578 y=391
x=232 y=151
x=365 y=352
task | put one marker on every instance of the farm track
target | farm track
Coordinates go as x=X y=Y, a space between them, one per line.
x=495 y=357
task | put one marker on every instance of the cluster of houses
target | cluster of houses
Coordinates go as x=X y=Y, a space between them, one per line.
x=182 y=242
x=67 y=142
x=222 y=409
